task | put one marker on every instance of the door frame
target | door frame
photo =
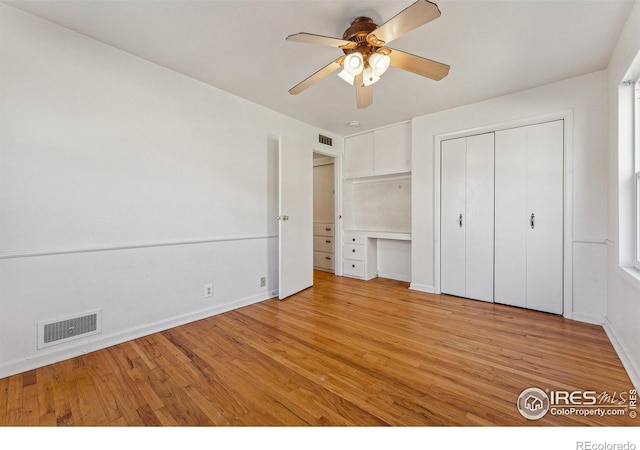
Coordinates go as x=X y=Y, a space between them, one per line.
x=567 y=116
x=337 y=187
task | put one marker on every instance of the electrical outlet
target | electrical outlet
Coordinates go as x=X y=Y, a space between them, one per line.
x=263 y=281
x=208 y=290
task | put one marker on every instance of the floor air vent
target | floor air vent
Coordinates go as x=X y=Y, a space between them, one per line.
x=69 y=328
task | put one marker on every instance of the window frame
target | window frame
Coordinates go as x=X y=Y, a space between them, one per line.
x=636 y=162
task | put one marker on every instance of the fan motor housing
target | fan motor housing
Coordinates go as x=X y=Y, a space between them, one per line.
x=358 y=32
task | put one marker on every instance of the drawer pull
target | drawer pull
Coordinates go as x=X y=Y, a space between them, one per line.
x=353 y=265
x=327 y=229
x=328 y=257
x=353 y=250
x=328 y=241
x=353 y=239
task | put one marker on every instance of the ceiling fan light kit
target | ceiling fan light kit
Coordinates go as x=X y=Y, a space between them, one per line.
x=366 y=56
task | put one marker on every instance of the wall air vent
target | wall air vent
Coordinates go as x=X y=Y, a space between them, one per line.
x=58 y=331
x=325 y=140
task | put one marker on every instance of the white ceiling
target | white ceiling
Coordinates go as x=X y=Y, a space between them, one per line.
x=493 y=48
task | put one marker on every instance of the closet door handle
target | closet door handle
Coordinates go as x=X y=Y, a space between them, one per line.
x=460 y=220
x=532 y=221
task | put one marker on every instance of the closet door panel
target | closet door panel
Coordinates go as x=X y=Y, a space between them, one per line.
x=453 y=192
x=479 y=217
x=510 y=217
x=545 y=174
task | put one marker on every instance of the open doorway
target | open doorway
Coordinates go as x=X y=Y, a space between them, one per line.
x=324 y=213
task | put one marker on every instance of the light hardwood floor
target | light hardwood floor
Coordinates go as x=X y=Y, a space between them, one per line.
x=345 y=352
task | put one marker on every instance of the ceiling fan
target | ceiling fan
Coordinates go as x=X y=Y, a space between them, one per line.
x=366 y=56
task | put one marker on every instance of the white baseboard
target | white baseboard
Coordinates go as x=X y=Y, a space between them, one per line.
x=422 y=288
x=395 y=276
x=586 y=318
x=100 y=342
x=630 y=365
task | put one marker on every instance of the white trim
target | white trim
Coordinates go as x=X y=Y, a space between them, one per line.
x=628 y=362
x=29 y=253
x=588 y=318
x=567 y=116
x=422 y=288
x=600 y=241
x=67 y=351
x=379 y=178
x=636 y=262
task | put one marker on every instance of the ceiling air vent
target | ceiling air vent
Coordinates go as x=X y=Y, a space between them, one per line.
x=325 y=140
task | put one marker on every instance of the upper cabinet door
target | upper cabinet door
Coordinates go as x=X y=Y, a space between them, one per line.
x=381 y=152
x=359 y=155
x=392 y=149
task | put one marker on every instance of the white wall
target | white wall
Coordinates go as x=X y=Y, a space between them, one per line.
x=379 y=205
x=623 y=306
x=585 y=97
x=125 y=187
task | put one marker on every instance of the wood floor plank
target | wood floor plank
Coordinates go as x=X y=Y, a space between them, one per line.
x=344 y=352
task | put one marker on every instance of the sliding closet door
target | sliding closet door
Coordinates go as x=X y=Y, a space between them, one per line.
x=452 y=217
x=511 y=213
x=545 y=186
x=479 y=217
x=529 y=185
x=466 y=264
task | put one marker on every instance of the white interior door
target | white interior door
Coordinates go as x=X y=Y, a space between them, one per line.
x=510 y=217
x=295 y=221
x=479 y=218
x=453 y=217
x=529 y=217
x=545 y=180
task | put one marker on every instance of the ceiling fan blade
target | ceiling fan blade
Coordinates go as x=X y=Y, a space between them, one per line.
x=418 y=65
x=308 y=38
x=319 y=75
x=417 y=14
x=364 y=94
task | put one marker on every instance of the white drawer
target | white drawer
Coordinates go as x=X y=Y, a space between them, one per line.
x=354 y=252
x=354 y=239
x=323 y=244
x=323 y=260
x=323 y=229
x=353 y=268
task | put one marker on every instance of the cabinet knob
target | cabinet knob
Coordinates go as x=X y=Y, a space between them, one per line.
x=353 y=250
x=353 y=265
x=353 y=239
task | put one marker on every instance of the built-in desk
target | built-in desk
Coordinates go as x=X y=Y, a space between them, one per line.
x=360 y=252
